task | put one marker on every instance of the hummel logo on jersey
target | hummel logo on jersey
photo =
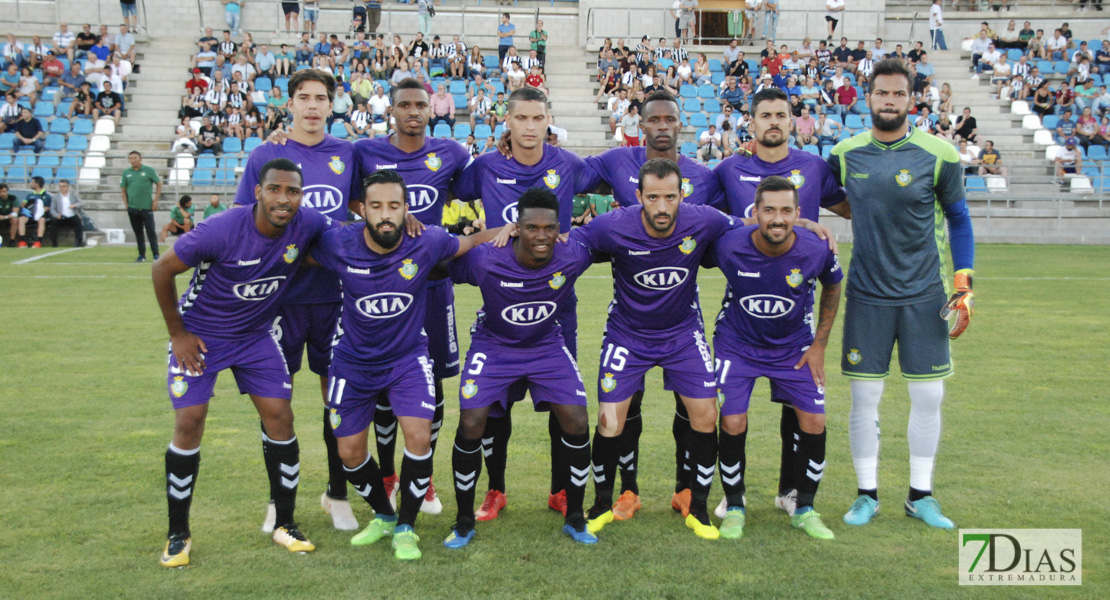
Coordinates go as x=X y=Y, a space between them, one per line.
x=858 y=175
x=384 y=305
x=506 y=181
x=380 y=167
x=746 y=178
x=528 y=313
x=513 y=284
x=632 y=179
x=747 y=274
x=247 y=263
x=358 y=271
x=639 y=252
x=766 y=306
x=259 y=289
x=662 y=278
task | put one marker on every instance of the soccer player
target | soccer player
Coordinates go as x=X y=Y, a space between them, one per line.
x=429 y=166
x=739 y=175
x=516 y=340
x=499 y=182
x=381 y=349
x=655 y=249
x=309 y=312
x=764 y=330
x=243 y=264
x=900 y=181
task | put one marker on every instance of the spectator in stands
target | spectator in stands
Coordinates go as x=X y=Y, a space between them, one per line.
x=1037 y=46
x=233 y=123
x=124 y=44
x=702 y=75
x=727 y=116
x=842 y=54
x=1086 y=128
x=513 y=77
x=810 y=93
x=28 y=132
x=341 y=108
x=671 y=81
x=677 y=50
x=480 y=106
x=64 y=209
x=181 y=219
x=52 y=70
x=709 y=145
x=610 y=82
x=475 y=63
x=685 y=72
x=966 y=127
x=362 y=121
x=9 y=112
x=443 y=107
x=828 y=130
x=1065 y=97
x=85 y=41
x=232 y=14
x=924 y=122
x=987 y=60
x=1085 y=95
x=1100 y=104
x=36 y=51
x=1010 y=37
x=83 y=101
x=456 y=58
x=805 y=129
x=209 y=138
x=511 y=57
x=304 y=51
x=64 y=41
x=292 y=11
x=120 y=70
x=980 y=46
x=186 y=140
x=505 y=33
x=265 y=62
x=275 y=118
x=245 y=70
x=864 y=69
x=1069 y=160
x=630 y=126
x=34 y=212
x=204 y=60
x=402 y=72
x=770 y=19
x=1056 y=46
x=731 y=94
x=362 y=87
x=197 y=81
x=924 y=69
x=537 y=80
x=1104 y=132
x=311 y=15
x=1001 y=74
x=967 y=160
x=805 y=51
x=532 y=60
x=70 y=81
x=537 y=40
x=620 y=106
x=28 y=85
x=480 y=83
x=214 y=207
x=943 y=128
x=9 y=214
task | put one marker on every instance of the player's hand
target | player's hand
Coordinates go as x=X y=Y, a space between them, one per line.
x=278 y=136
x=957 y=311
x=507 y=233
x=564 y=238
x=822 y=232
x=505 y=145
x=189 y=351
x=814 y=357
x=413 y=226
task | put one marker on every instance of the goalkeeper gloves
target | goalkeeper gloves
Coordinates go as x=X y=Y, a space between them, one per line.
x=957 y=311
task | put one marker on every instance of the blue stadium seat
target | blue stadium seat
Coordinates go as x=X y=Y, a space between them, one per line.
x=482 y=131
x=834 y=117
x=497 y=131
x=851 y=78
x=44 y=121
x=717 y=78
x=688 y=91
x=251 y=144
x=228 y=163
x=206 y=162
x=17 y=173
x=812 y=149
x=711 y=105
x=302 y=67
x=1045 y=66
x=44 y=109
x=82 y=126
x=663 y=64
x=45 y=172
x=699 y=120
x=54 y=142
x=69 y=173
x=263 y=84
x=77 y=143
x=5 y=159
x=490 y=61
x=460 y=101
x=498 y=88
x=442 y=130
x=688 y=148
x=232 y=144
x=826 y=150
x=7 y=140
x=22 y=159
x=1091 y=171
x=338 y=130
x=1014 y=54
x=691 y=105
x=224 y=177
x=1050 y=121
x=976 y=185
x=203 y=177
x=50 y=160
x=867 y=121
x=1098 y=153
x=71 y=160
x=59 y=125
x=63 y=108
x=456 y=87
x=462 y=130
x=753 y=65
x=1061 y=66
x=853 y=121
x=283 y=84
x=707 y=91
x=715 y=66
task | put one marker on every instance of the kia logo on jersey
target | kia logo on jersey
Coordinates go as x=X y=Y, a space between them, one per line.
x=422 y=197
x=385 y=305
x=766 y=306
x=324 y=198
x=528 y=313
x=662 y=278
x=259 y=289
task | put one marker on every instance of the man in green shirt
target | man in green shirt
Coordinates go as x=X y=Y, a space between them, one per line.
x=141 y=190
x=181 y=219
x=538 y=40
x=214 y=207
x=9 y=212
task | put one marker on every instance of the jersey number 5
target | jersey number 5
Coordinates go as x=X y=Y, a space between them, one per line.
x=477 y=362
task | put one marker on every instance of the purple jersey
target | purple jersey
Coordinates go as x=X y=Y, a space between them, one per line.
x=769 y=300
x=331 y=180
x=519 y=304
x=427 y=173
x=383 y=294
x=500 y=181
x=240 y=274
x=620 y=168
x=655 y=280
x=817 y=187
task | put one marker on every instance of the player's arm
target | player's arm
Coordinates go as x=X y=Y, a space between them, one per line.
x=814 y=357
x=949 y=190
x=467 y=242
x=187 y=348
x=842 y=209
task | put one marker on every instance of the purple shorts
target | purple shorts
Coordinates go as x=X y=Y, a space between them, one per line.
x=567 y=317
x=353 y=392
x=685 y=358
x=549 y=373
x=738 y=367
x=439 y=325
x=311 y=324
x=256 y=362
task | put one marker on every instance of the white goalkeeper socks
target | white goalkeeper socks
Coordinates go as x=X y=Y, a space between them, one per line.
x=863 y=431
x=923 y=431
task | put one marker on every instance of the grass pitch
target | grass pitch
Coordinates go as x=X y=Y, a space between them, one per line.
x=86 y=422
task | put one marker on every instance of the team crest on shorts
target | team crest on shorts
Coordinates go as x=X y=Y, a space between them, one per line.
x=794 y=279
x=336 y=165
x=551 y=179
x=469 y=389
x=797 y=178
x=433 y=162
x=335 y=419
x=179 y=387
x=291 y=253
x=687 y=188
x=557 y=281
x=688 y=244
x=903 y=177
x=854 y=356
x=408 y=269
x=608 y=384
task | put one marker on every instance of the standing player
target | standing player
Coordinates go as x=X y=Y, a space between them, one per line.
x=765 y=329
x=429 y=166
x=655 y=249
x=499 y=182
x=900 y=181
x=381 y=349
x=243 y=263
x=739 y=175
x=517 y=340
x=309 y=312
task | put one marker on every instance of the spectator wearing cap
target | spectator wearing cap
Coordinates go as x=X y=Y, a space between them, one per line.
x=1069 y=160
x=52 y=70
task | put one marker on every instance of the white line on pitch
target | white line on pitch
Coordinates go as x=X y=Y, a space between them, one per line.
x=34 y=258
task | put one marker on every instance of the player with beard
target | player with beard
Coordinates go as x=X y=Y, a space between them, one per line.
x=739 y=175
x=380 y=349
x=310 y=310
x=243 y=263
x=901 y=183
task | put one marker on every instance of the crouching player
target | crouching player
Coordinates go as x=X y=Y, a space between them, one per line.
x=380 y=348
x=517 y=341
x=765 y=329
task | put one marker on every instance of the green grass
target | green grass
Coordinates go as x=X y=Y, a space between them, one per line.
x=86 y=422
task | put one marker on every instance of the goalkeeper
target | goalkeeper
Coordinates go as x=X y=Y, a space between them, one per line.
x=902 y=185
